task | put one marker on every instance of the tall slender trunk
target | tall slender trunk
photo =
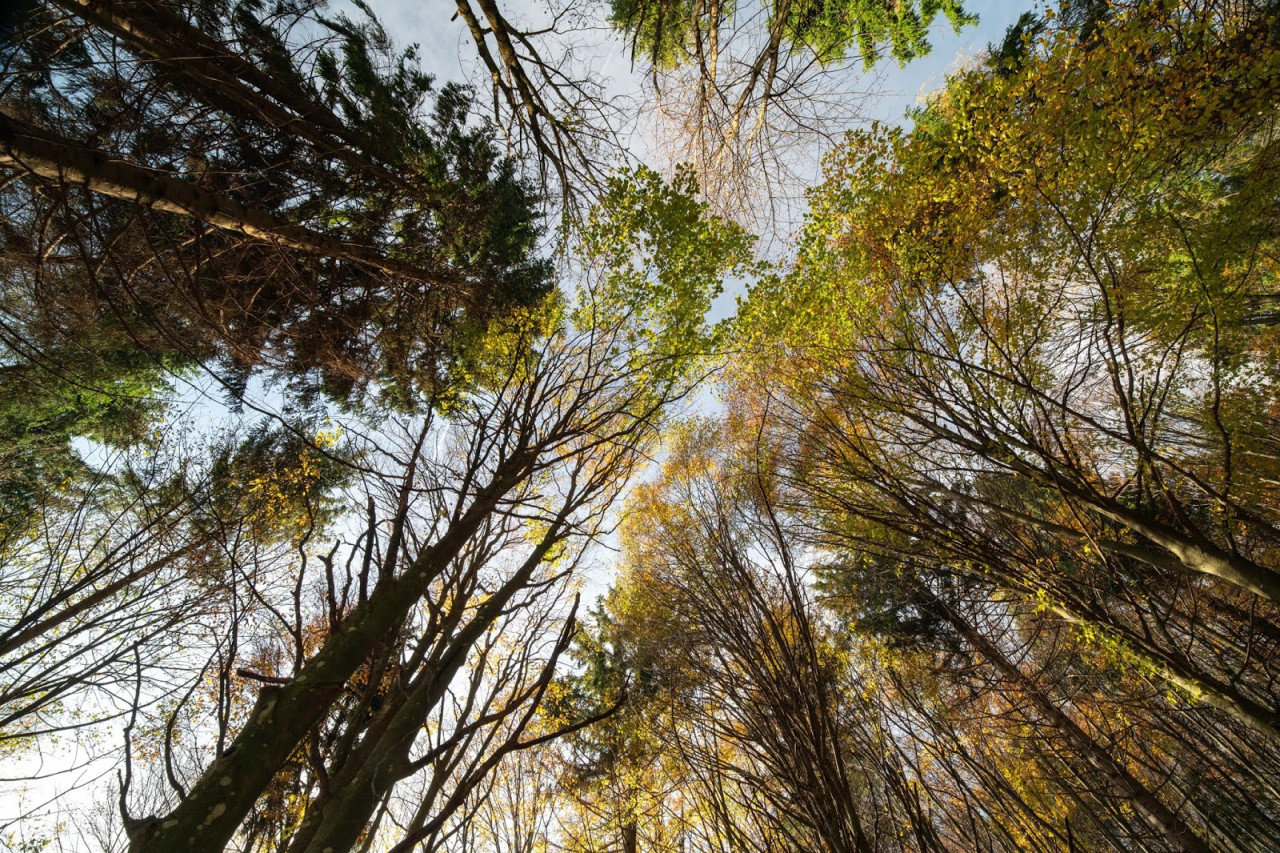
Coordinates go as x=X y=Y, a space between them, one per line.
x=226 y=80
x=1193 y=551
x=1156 y=813
x=209 y=814
x=1185 y=675
x=355 y=798
x=48 y=155
x=41 y=622
x=1179 y=671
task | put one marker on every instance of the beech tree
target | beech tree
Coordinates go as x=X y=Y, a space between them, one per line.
x=491 y=506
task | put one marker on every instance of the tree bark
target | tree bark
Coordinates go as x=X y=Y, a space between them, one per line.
x=1155 y=812
x=1193 y=551
x=225 y=79
x=1183 y=674
x=207 y=818
x=345 y=817
x=1199 y=685
x=48 y=155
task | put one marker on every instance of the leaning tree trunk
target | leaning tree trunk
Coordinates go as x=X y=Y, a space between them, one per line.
x=1156 y=813
x=47 y=155
x=209 y=814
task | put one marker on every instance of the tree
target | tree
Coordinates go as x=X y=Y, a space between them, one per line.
x=492 y=505
x=309 y=210
x=109 y=572
x=1047 y=359
x=740 y=89
x=614 y=784
x=547 y=104
x=714 y=601
x=320 y=210
x=1015 y=350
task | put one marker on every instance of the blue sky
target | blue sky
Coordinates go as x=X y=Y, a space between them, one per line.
x=447 y=52
x=884 y=93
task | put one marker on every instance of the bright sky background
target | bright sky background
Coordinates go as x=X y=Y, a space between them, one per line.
x=447 y=52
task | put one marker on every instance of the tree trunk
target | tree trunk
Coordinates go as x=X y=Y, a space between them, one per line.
x=48 y=155
x=356 y=797
x=1185 y=676
x=1155 y=812
x=226 y=80
x=208 y=816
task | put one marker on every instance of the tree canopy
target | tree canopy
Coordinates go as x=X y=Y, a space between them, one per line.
x=329 y=390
